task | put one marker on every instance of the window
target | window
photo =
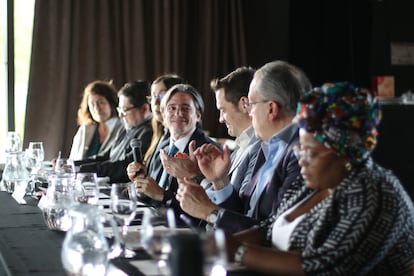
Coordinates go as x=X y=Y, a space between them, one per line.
x=23 y=28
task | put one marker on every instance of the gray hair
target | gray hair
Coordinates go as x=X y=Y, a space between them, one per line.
x=284 y=83
x=187 y=89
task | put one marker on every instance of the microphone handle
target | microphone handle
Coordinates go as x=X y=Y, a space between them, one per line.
x=137 y=154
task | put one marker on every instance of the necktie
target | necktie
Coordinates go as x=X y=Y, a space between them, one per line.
x=265 y=175
x=164 y=177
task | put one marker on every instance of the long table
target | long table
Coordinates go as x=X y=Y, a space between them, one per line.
x=28 y=247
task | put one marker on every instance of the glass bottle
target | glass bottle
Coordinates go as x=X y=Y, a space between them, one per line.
x=15 y=174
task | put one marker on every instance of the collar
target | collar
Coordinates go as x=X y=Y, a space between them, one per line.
x=182 y=143
x=283 y=136
x=243 y=140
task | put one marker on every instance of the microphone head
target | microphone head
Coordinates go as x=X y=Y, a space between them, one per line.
x=135 y=143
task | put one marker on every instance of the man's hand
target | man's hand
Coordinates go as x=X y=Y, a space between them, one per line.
x=181 y=167
x=147 y=186
x=133 y=169
x=193 y=199
x=213 y=163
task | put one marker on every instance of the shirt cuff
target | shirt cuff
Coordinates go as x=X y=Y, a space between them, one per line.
x=205 y=184
x=219 y=196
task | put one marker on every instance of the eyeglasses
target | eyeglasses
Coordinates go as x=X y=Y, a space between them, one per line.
x=308 y=155
x=249 y=105
x=155 y=98
x=185 y=108
x=123 y=112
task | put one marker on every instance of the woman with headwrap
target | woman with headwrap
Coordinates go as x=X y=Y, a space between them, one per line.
x=352 y=216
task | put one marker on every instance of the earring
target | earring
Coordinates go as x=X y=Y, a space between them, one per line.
x=348 y=166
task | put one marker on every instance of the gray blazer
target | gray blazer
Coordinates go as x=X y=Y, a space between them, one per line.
x=241 y=173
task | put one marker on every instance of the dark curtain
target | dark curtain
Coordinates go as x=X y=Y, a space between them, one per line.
x=78 y=41
x=331 y=40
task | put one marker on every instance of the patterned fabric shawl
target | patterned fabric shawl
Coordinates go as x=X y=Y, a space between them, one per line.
x=365 y=227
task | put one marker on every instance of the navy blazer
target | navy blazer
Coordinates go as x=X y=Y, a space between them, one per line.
x=170 y=201
x=234 y=217
x=154 y=165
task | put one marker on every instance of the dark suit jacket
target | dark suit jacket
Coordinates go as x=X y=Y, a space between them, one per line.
x=234 y=217
x=121 y=154
x=157 y=170
x=154 y=165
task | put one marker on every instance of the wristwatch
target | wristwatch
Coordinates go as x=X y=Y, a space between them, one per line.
x=239 y=254
x=213 y=216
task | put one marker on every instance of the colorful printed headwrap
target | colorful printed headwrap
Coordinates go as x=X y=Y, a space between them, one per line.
x=342 y=117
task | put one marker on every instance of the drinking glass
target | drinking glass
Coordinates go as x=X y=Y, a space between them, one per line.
x=124 y=205
x=35 y=156
x=86 y=188
x=215 y=260
x=157 y=227
x=65 y=166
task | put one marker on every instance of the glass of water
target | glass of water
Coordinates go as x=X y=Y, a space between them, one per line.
x=86 y=188
x=124 y=205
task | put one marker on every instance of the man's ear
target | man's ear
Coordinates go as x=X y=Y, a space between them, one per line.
x=145 y=108
x=198 y=114
x=274 y=109
x=241 y=106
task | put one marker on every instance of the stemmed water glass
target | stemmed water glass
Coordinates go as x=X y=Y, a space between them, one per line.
x=65 y=167
x=124 y=205
x=157 y=227
x=215 y=259
x=35 y=155
x=86 y=188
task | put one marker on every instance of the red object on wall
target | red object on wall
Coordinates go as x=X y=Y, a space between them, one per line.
x=383 y=86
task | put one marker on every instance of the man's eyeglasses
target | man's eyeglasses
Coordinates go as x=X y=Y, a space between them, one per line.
x=249 y=105
x=123 y=112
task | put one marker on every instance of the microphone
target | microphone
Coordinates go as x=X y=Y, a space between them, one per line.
x=136 y=145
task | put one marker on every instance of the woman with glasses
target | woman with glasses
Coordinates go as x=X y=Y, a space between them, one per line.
x=352 y=216
x=98 y=121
